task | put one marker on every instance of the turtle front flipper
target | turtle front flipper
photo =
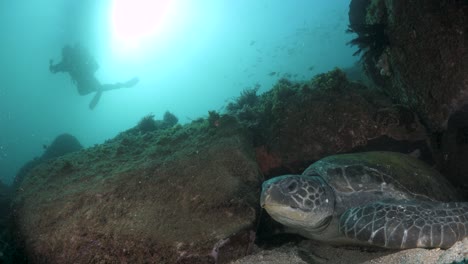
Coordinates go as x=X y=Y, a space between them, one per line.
x=407 y=224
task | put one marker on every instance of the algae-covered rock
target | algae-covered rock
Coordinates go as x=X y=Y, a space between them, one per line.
x=424 y=63
x=297 y=123
x=7 y=251
x=5 y=199
x=183 y=195
x=62 y=144
x=148 y=123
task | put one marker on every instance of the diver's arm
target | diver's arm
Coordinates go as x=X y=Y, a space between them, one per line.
x=54 y=68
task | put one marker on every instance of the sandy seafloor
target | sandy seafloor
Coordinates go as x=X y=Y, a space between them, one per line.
x=308 y=252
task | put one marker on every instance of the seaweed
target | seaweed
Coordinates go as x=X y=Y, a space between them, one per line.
x=247 y=98
x=147 y=124
x=371 y=40
x=213 y=118
x=169 y=120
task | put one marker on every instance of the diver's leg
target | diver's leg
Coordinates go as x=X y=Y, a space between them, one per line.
x=130 y=83
x=107 y=87
x=95 y=100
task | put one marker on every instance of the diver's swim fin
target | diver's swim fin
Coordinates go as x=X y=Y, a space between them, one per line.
x=130 y=83
x=95 y=100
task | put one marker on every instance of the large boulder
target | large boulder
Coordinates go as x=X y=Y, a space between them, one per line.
x=417 y=52
x=296 y=123
x=181 y=195
x=62 y=144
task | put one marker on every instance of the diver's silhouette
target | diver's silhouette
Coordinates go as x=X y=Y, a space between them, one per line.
x=81 y=67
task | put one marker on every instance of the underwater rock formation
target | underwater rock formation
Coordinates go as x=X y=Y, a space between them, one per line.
x=149 y=124
x=425 y=64
x=190 y=193
x=8 y=252
x=62 y=145
x=5 y=197
x=5 y=200
x=296 y=123
x=181 y=195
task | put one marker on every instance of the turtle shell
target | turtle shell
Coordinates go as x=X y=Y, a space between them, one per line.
x=379 y=175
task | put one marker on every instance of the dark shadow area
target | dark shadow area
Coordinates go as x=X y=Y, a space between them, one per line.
x=10 y=251
x=454 y=149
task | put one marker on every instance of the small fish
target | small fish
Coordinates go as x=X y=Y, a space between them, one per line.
x=272 y=73
x=252 y=42
x=44 y=146
x=311 y=68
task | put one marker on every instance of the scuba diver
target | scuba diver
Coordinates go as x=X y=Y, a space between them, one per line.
x=81 y=67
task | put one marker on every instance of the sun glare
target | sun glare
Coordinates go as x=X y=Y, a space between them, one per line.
x=136 y=23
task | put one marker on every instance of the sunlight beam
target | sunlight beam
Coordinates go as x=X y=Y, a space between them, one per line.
x=135 y=24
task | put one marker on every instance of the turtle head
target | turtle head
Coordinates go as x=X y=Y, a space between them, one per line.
x=301 y=202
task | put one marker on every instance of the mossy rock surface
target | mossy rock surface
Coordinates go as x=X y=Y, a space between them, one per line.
x=5 y=200
x=296 y=123
x=186 y=195
x=426 y=59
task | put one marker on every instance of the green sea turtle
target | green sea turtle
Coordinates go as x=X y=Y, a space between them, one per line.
x=383 y=199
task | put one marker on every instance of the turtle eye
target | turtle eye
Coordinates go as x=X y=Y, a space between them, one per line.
x=290 y=187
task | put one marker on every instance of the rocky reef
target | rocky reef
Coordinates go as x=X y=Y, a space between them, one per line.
x=10 y=247
x=190 y=193
x=9 y=252
x=162 y=192
x=296 y=123
x=185 y=194
x=62 y=144
x=423 y=65
x=424 y=60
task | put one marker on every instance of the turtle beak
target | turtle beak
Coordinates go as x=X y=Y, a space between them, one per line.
x=265 y=194
x=263 y=197
x=272 y=194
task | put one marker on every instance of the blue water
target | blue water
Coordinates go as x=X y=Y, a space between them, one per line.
x=202 y=54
